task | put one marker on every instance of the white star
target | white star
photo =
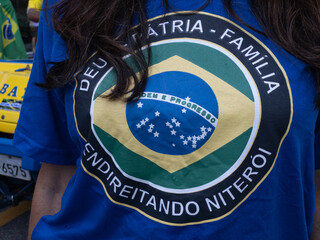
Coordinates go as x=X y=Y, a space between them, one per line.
x=146 y=119
x=151 y=126
x=173 y=132
x=198 y=138
x=143 y=122
x=194 y=142
x=168 y=124
x=150 y=130
x=194 y=137
x=156 y=134
x=202 y=136
x=157 y=113
x=140 y=104
x=185 y=142
x=209 y=129
x=189 y=138
x=181 y=137
x=203 y=128
x=188 y=99
x=178 y=124
x=194 y=146
x=184 y=110
x=173 y=145
x=174 y=120
x=138 y=125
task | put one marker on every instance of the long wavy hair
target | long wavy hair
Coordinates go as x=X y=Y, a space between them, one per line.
x=106 y=25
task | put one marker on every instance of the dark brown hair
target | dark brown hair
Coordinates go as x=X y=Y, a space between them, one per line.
x=104 y=26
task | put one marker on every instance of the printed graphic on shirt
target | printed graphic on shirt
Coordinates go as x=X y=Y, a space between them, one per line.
x=206 y=131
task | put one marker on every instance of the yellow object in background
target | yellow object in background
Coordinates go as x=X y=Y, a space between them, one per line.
x=36 y=4
x=14 y=76
x=11 y=213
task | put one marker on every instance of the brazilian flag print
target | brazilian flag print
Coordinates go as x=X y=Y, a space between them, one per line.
x=197 y=141
x=11 y=45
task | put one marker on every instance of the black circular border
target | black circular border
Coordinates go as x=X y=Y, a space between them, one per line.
x=275 y=121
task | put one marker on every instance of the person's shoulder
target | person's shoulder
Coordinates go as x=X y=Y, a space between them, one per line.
x=38 y=4
x=31 y=4
x=35 y=4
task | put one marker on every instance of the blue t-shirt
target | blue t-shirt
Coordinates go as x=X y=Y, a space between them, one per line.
x=221 y=145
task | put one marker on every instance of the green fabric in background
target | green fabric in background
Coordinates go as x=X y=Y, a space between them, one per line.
x=11 y=44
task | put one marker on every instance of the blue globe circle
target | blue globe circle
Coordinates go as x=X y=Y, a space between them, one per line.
x=7 y=31
x=176 y=115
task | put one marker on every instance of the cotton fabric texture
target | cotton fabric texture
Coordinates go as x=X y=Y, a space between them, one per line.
x=223 y=143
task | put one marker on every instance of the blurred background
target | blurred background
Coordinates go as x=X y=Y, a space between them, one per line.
x=17 y=179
